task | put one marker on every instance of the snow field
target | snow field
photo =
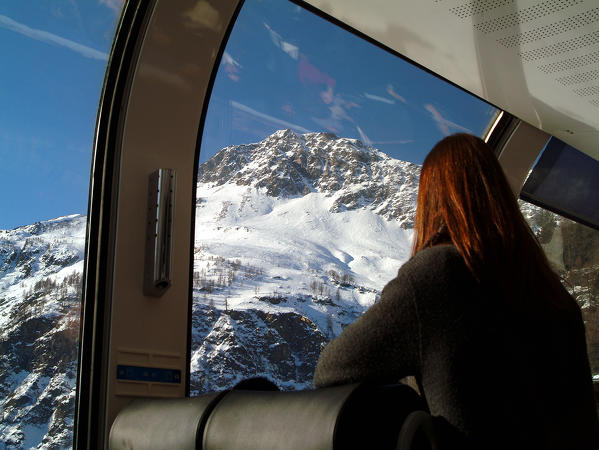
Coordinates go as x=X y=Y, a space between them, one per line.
x=295 y=242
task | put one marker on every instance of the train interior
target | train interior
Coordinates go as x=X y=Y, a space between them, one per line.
x=254 y=170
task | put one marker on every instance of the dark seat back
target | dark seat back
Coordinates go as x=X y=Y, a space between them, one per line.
x=162 y=423
x=418 y=433
x=343 y=417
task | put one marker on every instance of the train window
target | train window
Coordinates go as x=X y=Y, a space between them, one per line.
x=54 y=58
x=572 y=248
x=306 y=189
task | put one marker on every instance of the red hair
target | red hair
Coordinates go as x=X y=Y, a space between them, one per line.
x=464 y=198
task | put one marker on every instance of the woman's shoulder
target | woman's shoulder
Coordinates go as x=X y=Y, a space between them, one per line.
x=438 y=267
x=434 y=259
x=441 y=250
x=437 y=282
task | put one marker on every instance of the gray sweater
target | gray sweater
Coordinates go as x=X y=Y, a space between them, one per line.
x=501 y=379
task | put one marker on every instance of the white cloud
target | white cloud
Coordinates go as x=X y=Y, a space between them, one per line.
x=363 y=136
x=274 y=36
x=271 y=119
x=287 y=47
x=231 y=66
x=116 y=5
x=392 y=93
x=377 y=98
x=229 y=60
x=44 y=36
x=338 y=109
x=442 y=123
x=290 y=49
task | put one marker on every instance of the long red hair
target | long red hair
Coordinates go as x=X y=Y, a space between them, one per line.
x=464 y=198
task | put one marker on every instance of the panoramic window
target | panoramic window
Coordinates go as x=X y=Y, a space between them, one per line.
x=572 y=248
x=54 y=59
x=306 y=190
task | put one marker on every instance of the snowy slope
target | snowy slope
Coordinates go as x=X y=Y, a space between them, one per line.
x=40 y=277
x=51 y=249
x=289 y=165
x=307 y=226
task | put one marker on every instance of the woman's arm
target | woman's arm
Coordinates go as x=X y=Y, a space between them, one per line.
x=382 y=345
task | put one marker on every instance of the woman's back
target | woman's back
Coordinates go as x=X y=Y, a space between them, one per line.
x=502 y=380
x=494 y=340
x=495 y=374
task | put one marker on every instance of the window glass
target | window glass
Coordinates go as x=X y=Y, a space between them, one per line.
x=54 y=57
x=306 y=191
x=573 y=251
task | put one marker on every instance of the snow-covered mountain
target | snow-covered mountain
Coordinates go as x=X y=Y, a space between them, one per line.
x=295 y=237
x=40 y=279
x=289 y=165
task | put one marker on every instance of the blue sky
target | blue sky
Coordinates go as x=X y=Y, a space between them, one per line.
x=283 y=68
x=54 y=59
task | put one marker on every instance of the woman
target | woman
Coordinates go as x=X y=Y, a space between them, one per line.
x=495 y=342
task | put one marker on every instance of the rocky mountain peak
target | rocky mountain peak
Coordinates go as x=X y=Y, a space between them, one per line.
x=287 y=164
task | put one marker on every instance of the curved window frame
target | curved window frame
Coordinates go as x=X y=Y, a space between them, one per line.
x=93 y=347
x=502 y=123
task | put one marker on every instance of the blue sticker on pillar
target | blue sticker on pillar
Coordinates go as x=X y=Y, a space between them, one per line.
x=148 y=374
